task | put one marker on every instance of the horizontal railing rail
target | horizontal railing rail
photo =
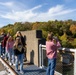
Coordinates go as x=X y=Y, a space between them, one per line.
x=8 y=67
x=43 y=47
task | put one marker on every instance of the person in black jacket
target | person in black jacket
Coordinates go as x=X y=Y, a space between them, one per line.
x=23 y=40
x=19 y=51
x=18 y=34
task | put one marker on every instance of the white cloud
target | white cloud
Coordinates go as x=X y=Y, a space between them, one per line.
x=56 y=9
x=7 y=3
x=29 y=15
x=59 y=10
x=36 y=7
x=21 y=15
x=12 y=5
x=53 y=13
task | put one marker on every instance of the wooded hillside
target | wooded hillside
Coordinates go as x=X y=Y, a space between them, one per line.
x=64 y=30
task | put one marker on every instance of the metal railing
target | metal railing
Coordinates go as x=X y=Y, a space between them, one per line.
x=8 y=68
x=42 y=48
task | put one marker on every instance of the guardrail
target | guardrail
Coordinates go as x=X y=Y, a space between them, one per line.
x=8 y=68
x=43 y=47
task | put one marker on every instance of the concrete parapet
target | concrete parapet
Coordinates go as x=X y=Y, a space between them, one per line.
x=33 y=39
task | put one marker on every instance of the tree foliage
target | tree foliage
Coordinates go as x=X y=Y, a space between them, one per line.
x=73 y=29
x=62 y=29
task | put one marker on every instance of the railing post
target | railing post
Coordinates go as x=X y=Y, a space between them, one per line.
x=75 y=63
x=40 y=62
x=42 y=59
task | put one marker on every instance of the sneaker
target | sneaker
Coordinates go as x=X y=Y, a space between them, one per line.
x=10 y=63
x=14 y=64
x=21 y=72
x=6 y=59
x=1 y=56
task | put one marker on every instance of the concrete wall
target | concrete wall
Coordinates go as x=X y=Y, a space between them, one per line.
x=33 y=39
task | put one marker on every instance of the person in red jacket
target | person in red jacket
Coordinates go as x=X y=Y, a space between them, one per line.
x=4 y=43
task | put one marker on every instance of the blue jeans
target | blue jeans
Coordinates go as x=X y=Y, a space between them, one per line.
x=19 y=58
x=11 y=56
x=51 y=66
x=6 y=54
x=0 y=50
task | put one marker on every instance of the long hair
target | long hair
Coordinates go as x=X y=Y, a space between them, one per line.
x=50 y=36
x=17 y=41
x=10 y=39
x=18 y=33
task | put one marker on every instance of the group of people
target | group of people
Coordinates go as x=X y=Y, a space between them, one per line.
x=13 y=49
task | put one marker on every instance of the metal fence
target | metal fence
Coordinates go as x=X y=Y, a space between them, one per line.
x=66 y=60
x=6 y=67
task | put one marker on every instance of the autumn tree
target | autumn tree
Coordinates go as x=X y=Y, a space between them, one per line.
x=73 y=29
x=19 y=26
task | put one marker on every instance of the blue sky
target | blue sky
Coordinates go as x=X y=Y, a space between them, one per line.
x=12 y=11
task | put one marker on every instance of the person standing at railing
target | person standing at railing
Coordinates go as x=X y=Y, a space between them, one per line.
x=52 y=44
x=19 y=54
